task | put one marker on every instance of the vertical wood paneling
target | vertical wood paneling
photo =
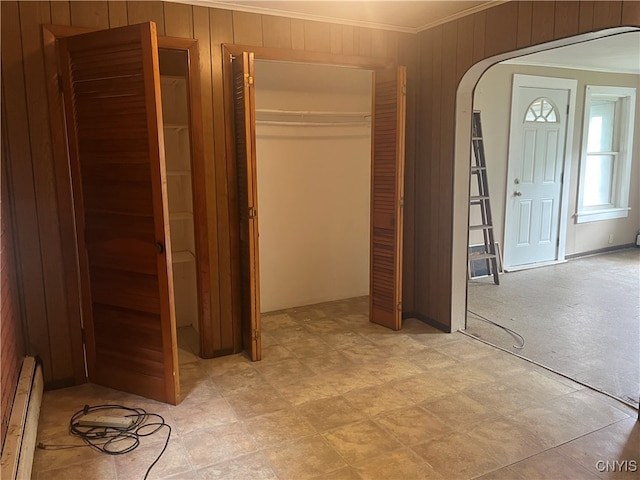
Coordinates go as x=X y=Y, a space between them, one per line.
x=23 y=195
x=60 y=13
x=606 y=14
x=336 y=39
x=567 y=18
x=32 y=15
x=501 y=29
x=117 y=14
x=348 y=40
x=247 y=28
x=464 y=52
x=201 y=30
x=178 y=20
x=276 y=32
x=317 y=37
x=12 y=347
x=479 y=28
x=630 y=12
x=145 y=11
x=221 y=22
x=90 y=14
x=382 y=45
x=297 y=34
x=434 y=286
x=447 y=117
x=363 y=39
x=524 y=23
x=585 y=21
x=542 y=22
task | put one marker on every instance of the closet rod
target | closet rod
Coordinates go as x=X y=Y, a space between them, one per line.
x=314 y=113
x=312 y=124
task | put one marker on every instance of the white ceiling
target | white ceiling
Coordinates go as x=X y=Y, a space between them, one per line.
x=617 y=53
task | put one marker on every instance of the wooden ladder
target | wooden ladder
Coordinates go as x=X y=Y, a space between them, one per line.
x=479 y=169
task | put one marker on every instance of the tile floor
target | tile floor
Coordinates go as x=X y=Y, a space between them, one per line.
x=581 y=318
x=339 y=398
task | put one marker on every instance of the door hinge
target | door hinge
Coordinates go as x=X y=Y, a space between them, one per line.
x=399 y=306
x=567 y=109
x=60 y=87
x=248 y=80
x=255 y=335
x=558 y=242
x=252 y=212
x=404 y=89
x=401 y=202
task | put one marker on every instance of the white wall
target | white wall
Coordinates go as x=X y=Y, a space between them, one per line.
x=493 y=97
x=313 y=189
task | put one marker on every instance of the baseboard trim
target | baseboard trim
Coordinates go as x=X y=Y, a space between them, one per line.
x=20 y=443
x=427 y=320
x=601 y=250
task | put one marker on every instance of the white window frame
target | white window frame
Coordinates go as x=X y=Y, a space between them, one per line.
x=623 y=138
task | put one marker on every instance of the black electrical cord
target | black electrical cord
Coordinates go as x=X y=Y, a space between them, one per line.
x=115 y=440
x=513 y=333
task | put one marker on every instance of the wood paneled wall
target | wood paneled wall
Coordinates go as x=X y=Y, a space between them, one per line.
x=12 y=348
x=45 y=245
x=446 y=53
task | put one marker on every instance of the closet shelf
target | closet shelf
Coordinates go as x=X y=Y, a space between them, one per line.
x=180 y=216
x=267 y=116
x=178 y=173
x=182 y=256
x=176 y=126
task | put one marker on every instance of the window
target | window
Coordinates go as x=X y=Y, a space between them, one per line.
x=541 y=111
x=607 y=143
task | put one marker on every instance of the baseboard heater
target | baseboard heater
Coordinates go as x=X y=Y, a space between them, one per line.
x=20 y=442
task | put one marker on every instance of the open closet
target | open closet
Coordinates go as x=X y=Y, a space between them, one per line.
x=132 y=111
x=388 y=103
x=174 y=86
x=313 y=145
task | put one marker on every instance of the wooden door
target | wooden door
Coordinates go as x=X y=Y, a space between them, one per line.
x=245 y=151
x=114 y=124
x=387 y=192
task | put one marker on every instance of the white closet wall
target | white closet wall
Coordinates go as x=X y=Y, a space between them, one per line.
x=313 y=183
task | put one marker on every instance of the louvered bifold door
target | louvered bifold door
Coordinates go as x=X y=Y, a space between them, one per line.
x=113 y=110
x=245 y=152
x=387 y=191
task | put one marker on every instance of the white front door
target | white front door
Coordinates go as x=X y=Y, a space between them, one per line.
x=534 y=179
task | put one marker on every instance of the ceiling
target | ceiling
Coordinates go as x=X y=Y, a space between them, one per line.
x=618 y=53
x=404 y=16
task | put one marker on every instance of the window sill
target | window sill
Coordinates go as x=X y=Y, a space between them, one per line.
x=596 y=215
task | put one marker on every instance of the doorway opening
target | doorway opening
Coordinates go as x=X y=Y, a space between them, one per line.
x=578 y=318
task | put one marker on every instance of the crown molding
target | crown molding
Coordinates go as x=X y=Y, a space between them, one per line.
x=239 y=7
x=462 y=13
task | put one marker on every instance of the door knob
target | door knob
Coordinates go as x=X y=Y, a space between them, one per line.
x=517 y=194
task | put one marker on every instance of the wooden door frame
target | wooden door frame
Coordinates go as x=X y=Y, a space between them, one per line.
x=273 y=54
x=57 y=126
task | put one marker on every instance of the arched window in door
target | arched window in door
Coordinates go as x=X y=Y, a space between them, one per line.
x=542 y=110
